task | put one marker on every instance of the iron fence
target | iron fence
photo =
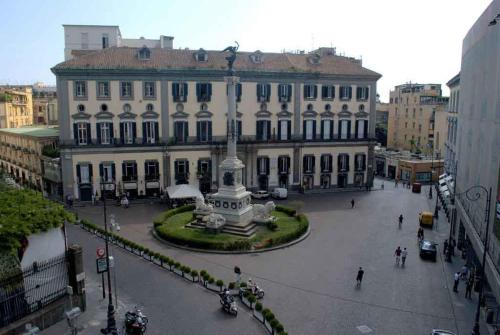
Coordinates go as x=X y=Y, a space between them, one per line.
x=32 y=289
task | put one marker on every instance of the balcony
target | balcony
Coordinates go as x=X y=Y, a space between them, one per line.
x=115 y=142
x=129 y=179
x=152 y=177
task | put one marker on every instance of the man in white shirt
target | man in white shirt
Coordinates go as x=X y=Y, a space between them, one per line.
x=404 y=253
x=457 y=280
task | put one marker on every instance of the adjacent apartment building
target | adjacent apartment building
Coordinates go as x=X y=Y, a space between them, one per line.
x=44 y=104
x=450 y=161
x=478 y=143
x=16 y=106
x=136 y=120
x=417 y=119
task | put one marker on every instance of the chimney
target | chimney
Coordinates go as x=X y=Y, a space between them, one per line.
x=166 y=42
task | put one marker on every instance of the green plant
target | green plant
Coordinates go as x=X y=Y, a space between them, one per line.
x=177 y=265
x=203 y=273
x=211 y=280
x=274 y=323
x=279 y=328
x=269 y=316
x=287 y=210
x=272 y=225
x=258 y=306
x=265 y=311
x=243 y=285
x=219 y=283
x=231 y=286
x=246 y=294
x=251 y=299
x=194 y=274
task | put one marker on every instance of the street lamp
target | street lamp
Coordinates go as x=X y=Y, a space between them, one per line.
x=111 y=326
x=474 y=194
x=432 y=168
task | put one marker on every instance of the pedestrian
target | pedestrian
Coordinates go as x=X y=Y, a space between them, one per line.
x=396 y=182
x=93 y=199
x=404 y=253
x=382 y=185
x=397 y=254
x=456 y=278
x=464 y=272
x=352 y=203
x=468 y=287
x=359 y=277
x=420 y=234
x=445 y=247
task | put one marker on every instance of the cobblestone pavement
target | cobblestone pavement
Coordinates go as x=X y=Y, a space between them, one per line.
x=172 y=305
x=311 y=285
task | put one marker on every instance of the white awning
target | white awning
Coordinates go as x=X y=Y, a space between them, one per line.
x=183 y=191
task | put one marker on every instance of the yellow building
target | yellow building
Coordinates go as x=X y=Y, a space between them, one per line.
x=136 y=120
x=16 y=107
x=417 y=119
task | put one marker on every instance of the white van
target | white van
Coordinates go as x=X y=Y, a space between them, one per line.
x=280 y=193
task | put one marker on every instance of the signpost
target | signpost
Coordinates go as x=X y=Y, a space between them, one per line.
x=102 y=266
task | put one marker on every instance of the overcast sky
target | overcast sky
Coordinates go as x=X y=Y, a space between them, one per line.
x=418 y=41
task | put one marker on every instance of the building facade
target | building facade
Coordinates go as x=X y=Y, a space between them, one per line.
x=80 y=39
x=417 y=119
x=450 y=161
x=382 y=120
x=16 y=106
x=136 y=120
x=478 y=144
x=22 y=151
x=44 y=104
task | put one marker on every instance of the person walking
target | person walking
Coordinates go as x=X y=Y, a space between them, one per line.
x=445 y=247
x=400 y=220
x=420 y=234
x=397 y=253
x=404 y=253
x=456 y=278
x=359 y=277
x=352 y=203
x=468 y=288
x=453 y=245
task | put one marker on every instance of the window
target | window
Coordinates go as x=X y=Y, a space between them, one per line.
x=104 y=132
x=326 y=163
x=344 y=129
x=150 y=132
x=310 y=91
x=103 y=89
x=204 y=166
x=181 y=169
x=201 y=56
x=362 y=93
x=263 y=130
x=181 y=131
x=238 y=91
x=81 y=108
x=309 y=129
x=129 y=171
x=263 y=166
x=81 y=133
x=105 y=41
x=84 y=173
x=283 y=165
x=343 y=162
x=360 y=162
x=204 y=92
x=126 y=90
x=406 y=124
x=414 y=112
x=144 y=54
x=128 y=132
x=361 y=129
x=284 y=130
x=204 y=131
x=179 y=92
x=328 y=92
x=104 y=108
x=150 y=108
x=80 y=89
x=326 y=129
x=308 y=162
x=285 y=92
x=391 y=101
x=149 y=90
x=151 y=170
x=85 y=41
x=345 y=92
x=413 y=125
x=263 y=92
x=107 y=172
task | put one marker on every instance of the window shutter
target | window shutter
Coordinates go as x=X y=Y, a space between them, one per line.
x=280 y=164
x=358 y=93
x=184 y=98
x=238 y=122
x=322 y=130
x=146 y=172
x=350 y=92
x=339 y=165
x=78 y=174
x=198 y=131
x=289 y=130
x=304 y=163
x=287 y=164
x=304 y=127
x=75 y=132
x=134 y=132
x=89 y=135
x=199 y=166
x=331 y=129
x=279 y=130
x=122 y=140
x=124 y=170
x=356 y=124
x=157 y=133
x=267 y=165
x=315 y=92
x=330 y=159
x=187 y=166
x=314 y=130
x=198 y=91
x=365 y=129
x=113 y=171
x=259 y=130
x=259 y=90
x=323 y=91
x=90 y=172
x=364 y=162
x=209 y=126
x=323 y=157
x=175 y=91
x=176 y=167
x=268 y=130
x=268 y=92
x=144 y=132
x=209 y=89
x=111 y=132
x=367 y=93
x=101 y=170
x=349 y=129
x=313 y=158
x=347 y=162
x=306 y=89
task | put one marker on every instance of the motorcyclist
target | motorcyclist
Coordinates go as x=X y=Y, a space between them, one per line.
x=226 y=296
x=251 y=285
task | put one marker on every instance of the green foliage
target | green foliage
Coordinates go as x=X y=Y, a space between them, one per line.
x=258 y=306
x=162 y=217
x=50 y=151
x=177 y=265
x=279 y=328
x=211 y=280
x=251 y=299
x=269 y=316
x=242 y=285
x=5 y=97
x=231 y=285
x=287 y=210
x=25 y=212
x=194 y=273
x=274 y=323
x=219 y=283
x=203 y=273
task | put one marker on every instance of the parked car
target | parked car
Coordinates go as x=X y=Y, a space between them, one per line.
x=260 y=195
x=426 y=219
x=442 y=332
x=427 y=249
x=279 y=193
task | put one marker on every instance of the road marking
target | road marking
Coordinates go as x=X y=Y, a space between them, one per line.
x=364 y=329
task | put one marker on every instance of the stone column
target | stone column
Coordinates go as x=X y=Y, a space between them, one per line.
x=76 y=276
x=231 y=82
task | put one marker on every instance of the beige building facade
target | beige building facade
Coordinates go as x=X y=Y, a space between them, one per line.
x=44 y=104
x=136 y=120
x=16 y=106
x=417 y=119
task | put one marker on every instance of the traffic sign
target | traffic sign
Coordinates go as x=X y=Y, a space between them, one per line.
x=100 y=252
x=101 y=264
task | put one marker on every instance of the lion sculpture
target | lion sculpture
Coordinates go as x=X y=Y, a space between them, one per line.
x=262 y=213
x=202 y=207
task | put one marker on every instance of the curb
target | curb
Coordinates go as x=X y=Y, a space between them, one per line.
x=234 y=252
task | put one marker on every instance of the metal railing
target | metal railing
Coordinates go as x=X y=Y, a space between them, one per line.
x=32 y=289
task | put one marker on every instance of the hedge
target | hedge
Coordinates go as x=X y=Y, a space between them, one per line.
x=303 y=226
x=161 y=218
x=287 y=210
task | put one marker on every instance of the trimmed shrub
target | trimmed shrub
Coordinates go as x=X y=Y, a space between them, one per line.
x=203 y=273
x=274 y=323
x=246 y=294
x=258 y=306
x=287 y=210
x=194 y=274
x=219 y=283
x=162 y=217
x=231 y=285
x=243 y=285
x=211 y=280
x=279 y=328
x=177 y=265
x=269 y=316
x=251 y=299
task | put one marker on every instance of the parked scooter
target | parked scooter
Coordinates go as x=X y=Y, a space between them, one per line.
x=253 y=288
x=228 y=303
x=135 y=322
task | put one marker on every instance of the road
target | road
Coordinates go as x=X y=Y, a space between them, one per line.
x=311 y=286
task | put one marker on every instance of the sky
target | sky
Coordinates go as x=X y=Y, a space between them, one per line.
x=403 y=40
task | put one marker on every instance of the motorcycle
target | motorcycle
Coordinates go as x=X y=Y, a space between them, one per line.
x=135 y=322
x=228 y=303
x=255 y=290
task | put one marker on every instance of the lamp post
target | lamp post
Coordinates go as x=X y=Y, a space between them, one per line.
x=111 y=325
x=432 y=168
x=474 y=194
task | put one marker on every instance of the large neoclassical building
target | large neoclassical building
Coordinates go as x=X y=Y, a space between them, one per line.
x=136 y=120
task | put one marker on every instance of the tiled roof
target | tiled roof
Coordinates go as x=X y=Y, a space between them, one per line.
x=117 y=58
x=33 y=131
